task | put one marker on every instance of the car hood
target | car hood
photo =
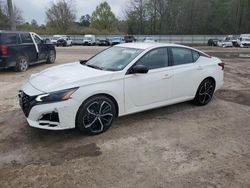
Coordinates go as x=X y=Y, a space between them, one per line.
x=68 y=76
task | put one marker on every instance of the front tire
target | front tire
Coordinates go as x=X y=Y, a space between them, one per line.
x=96 y=115
x=204 y=93
x=22 y=64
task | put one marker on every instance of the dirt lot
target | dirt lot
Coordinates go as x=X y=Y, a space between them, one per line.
x=176 y=146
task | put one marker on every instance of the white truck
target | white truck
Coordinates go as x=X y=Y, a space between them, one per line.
x=89 y=40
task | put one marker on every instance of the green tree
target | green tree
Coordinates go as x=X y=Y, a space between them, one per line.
x=4 y=16
x=103 y=18
x=85 y=20
x=34 y=23
x=4 y=21
x=60 y=16
x=188 y=17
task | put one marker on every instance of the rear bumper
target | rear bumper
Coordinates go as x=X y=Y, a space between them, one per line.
x=6 y=62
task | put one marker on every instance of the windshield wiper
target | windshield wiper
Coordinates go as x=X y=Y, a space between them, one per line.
x=94 y=67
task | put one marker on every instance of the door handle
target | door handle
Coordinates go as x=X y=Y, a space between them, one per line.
x=167 y=76
x=199 y=68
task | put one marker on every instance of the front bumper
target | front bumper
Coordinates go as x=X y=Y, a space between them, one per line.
x=50 y=116
x=245 y=45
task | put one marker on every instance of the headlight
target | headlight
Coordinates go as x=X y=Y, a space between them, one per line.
x=56 y=96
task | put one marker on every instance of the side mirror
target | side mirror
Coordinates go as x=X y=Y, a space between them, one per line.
x=83 y=62
x=139 y=69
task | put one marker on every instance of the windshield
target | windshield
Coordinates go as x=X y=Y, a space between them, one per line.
x=56 y=38
x=116 y=38
x=87 y=38
x=114 y=58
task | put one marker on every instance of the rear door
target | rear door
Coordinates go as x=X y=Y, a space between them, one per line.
x=27 y=47
x=187 y=72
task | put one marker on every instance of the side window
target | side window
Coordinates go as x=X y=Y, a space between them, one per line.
x=196 y=55
x=37 y=39
x=9 y=38
x=182 y=56
x=155 y=59
x=26 y=38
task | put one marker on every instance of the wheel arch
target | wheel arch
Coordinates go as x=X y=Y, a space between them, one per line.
x=212 y=79
x=108 y=96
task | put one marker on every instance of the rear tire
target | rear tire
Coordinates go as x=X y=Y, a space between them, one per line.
x=51 y=57
x=204 y=93
x=22 y=64
x=96 y=115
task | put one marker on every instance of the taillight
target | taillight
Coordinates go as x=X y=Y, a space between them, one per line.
x=4 y=50
x=222 y=65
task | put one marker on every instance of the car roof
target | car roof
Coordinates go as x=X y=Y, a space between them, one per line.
x=147 y=45
x=6 y=31
x=150 y=45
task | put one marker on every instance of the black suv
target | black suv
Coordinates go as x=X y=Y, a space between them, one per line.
x=21 y=49
x=212 y=42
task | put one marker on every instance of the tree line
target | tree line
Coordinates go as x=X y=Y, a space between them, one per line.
x=141 y=17
x=188 y=16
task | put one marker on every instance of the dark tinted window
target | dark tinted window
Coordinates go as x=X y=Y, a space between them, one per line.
x=8 y=38
x=26 y=38
x=182 y=56
x=37 y=39
x=155 y=59
x=196 y=56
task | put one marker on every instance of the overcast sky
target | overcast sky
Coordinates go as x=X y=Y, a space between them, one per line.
x=35 y=9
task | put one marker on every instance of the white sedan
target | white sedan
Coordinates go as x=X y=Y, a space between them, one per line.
x=121 y=80
x=225 y=43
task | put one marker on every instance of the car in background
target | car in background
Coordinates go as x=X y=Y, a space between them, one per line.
x=66 y=38
x=129 y=38
x=56 y=37
x=244 y=42
x=102 y=41
x=212 y=42
x=225 y=43
x=89 y=40
x=121 y=80
x=149 y=39
x=20 y=49
x=117 y=40
x=64 y=41
x=245 y=36
x=233 y=39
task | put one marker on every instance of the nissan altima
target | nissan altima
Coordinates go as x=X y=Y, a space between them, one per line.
x=121 y=80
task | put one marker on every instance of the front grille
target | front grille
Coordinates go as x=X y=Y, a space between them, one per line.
x=50 y=119
x=247 y=45
x=26 y=102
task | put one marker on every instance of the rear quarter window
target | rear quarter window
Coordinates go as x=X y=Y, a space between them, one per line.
x=196 y=55
x=8 y=38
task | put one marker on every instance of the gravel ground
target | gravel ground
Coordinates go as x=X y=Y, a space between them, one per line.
x=176 y=146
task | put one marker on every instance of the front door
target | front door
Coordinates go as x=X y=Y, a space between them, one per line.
x=42 y=49
x=142 y=90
